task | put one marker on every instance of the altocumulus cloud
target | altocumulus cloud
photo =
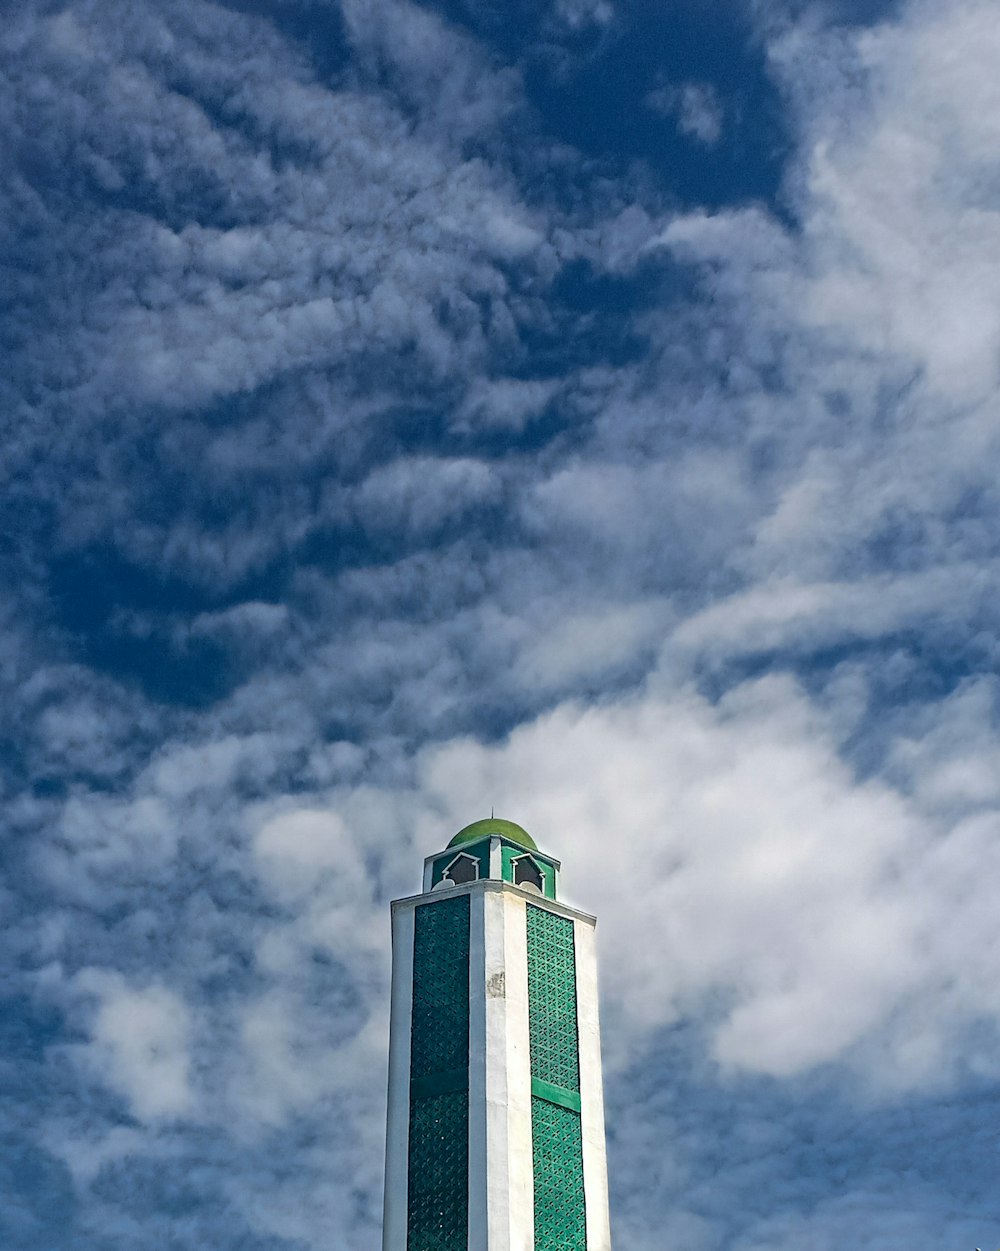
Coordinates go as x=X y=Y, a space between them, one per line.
x=583 y=409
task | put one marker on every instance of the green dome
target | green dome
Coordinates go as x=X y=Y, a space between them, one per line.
x=493 y=825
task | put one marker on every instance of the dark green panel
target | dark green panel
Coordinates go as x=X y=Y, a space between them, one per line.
x=439 y=1041
x=438 y=1178
x=560 y=1206
x=438 y=1197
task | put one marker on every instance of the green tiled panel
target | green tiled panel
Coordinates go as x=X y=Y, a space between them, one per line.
x=560 y=1213
x=438 y=1196
x=438 y=1174
x=552 y=999
x=440 y=1028
x=560 y=1208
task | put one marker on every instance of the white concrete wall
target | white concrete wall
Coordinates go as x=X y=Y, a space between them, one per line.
x=510 y=1103
x=501 y=1193
x=478 y=1129
x=397 y=1145
x=496 y=858
x=595 y=1163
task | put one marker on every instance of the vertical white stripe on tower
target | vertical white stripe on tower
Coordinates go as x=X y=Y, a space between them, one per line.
x=501 y=1179
x=501 y=1193
x=517 y=1112
x=397 y=1147
x=478 y=1074
x=595 y=1164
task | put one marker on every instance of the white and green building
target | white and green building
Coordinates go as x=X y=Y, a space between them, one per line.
x=496 y=1111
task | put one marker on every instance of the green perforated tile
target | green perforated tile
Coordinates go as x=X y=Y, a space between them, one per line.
x=560 y=1207
x=552 y=999
x=438 y=1174
x=438 y=1198
x=440 y=1026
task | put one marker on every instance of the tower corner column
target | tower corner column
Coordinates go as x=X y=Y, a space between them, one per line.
x=513 y=1113
x=394 y=1219
x=479 y=1199
x=595 y=1162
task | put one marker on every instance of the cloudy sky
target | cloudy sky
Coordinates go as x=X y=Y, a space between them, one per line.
x=582 y=408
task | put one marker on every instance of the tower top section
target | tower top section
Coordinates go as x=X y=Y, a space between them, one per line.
x=497 y=850
x=494 y=825
x=495 y=1137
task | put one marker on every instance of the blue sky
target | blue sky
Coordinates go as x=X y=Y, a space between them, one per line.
x=583 y=408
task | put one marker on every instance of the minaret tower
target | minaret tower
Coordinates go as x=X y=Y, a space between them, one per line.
x=496 y=1110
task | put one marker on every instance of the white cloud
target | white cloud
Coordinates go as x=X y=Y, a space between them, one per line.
x=817 y=913
x=654 y=520
x=302 y=850
x=420 y=494
x=85 y=1156
x=348 y=237
x=434 y=64
x=905 y=229
x=696 y=106
x=589 y=646
x=804 y=459
x=504 y=403
x=785 y=616
x=140 y=1044
x=862 y=349
x=579 y=14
